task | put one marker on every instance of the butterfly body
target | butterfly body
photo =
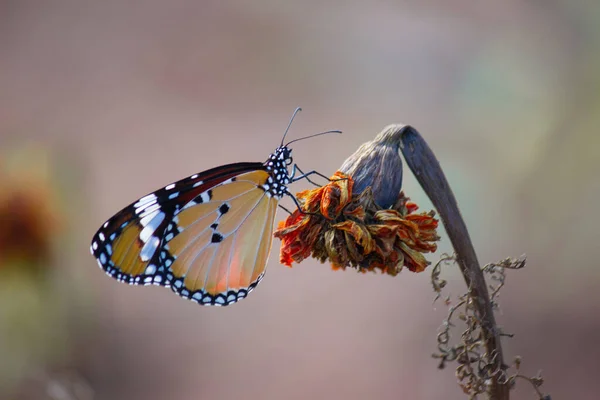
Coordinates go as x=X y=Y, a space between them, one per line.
x=207 y=236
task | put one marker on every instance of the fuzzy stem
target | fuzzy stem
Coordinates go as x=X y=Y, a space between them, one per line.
x=426 y=168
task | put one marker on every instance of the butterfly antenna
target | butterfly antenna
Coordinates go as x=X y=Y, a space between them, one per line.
x=311 y=136
x=296 y=111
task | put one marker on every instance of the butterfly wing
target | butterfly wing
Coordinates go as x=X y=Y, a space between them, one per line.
x=218 y=250
x=207 y=236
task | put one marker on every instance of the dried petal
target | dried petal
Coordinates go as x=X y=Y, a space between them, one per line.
x=351 y=230
x=359 y=234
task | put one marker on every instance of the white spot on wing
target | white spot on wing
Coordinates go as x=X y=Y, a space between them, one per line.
x=150 y=270
x=145 y=200
x=147 y=209
x=148 y=217
x=151 y=226
x=169 y=187
x=189 y=204
x=149 y=248
x=205 y=197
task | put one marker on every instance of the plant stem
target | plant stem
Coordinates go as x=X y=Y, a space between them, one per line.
x=426 y=168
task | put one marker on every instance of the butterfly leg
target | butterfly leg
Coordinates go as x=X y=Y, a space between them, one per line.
x=285 y=209
x=306 y=175
x=298 y=206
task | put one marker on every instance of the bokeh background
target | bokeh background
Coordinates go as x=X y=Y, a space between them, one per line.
x=102 y=102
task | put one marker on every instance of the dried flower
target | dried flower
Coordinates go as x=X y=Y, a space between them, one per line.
x=377 y=164
x=375 y=227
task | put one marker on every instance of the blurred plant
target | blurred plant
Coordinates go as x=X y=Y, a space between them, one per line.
x=33 y=324
x=29 y=214
x=55 y=385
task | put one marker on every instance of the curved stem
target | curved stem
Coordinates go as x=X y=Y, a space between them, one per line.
x=430 y=176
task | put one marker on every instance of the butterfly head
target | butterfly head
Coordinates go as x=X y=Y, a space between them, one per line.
x=277 y=166
x=280 y=160
x=284 y=154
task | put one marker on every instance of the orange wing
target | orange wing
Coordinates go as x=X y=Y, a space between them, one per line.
x=127 y=246
x=216 y=251
x=207 y=236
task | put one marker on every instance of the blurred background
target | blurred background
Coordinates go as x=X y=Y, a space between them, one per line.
x=103 y=102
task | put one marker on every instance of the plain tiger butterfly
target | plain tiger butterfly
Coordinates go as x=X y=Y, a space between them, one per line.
x=207 y=236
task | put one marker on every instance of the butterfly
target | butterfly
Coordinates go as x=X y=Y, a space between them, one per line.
x=207 y=236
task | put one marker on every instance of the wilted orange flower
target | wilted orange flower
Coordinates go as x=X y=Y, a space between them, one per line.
x=352 y=230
